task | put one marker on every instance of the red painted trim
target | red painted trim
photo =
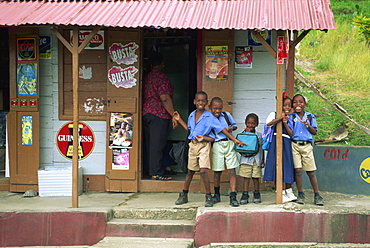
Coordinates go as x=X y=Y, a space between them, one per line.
x=200 y=60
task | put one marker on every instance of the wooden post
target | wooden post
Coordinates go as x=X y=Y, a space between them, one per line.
x=75 y=49
x=279 y=130
x=75 y=118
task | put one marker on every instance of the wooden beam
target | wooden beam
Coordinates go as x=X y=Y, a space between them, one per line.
x=291 y=62
x=62 y=39
x=88 y=38
x=264 y=43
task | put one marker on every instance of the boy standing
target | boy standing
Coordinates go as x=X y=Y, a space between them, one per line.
x=223 y=152
x=251 y=167
x=304 y=126
x=200 y=124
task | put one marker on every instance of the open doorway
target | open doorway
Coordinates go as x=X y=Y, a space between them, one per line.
x=4 y=95
x=178 y=48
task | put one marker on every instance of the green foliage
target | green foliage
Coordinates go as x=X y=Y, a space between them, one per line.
x=341 y=63
x=363 y=24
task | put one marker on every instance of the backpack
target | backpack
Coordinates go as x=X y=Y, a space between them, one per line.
x=252 y=147
x=267 y=134
x=309 y=117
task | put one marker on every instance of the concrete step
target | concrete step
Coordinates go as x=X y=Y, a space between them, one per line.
x=112 y=242
x=150 y=228
x=156 y=213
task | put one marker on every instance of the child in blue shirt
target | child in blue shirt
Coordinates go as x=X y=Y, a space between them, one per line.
x=304 y=126
x=223 y=152
x=200 y=124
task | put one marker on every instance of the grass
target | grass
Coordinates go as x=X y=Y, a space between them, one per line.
x=341 y=71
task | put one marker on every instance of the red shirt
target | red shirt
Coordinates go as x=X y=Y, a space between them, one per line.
x=156 y=83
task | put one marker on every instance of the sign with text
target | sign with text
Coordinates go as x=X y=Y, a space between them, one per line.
x=86 y=140
x=26 y=49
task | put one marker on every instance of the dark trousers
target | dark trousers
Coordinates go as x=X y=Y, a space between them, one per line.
x=155 y=136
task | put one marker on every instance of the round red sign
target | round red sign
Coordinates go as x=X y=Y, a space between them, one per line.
x=65 y=140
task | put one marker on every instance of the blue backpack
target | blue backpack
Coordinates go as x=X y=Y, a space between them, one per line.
x=252 y=147
x=267 y=134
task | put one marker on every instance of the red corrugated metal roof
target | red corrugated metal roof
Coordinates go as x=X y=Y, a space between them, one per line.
x=181 y=14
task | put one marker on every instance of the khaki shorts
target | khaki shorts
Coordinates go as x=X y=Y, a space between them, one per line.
x=250 y=171
x=303 y=157
x=223 y=152
x=199 y=155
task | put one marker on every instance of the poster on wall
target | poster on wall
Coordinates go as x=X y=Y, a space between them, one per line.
x=96 y=43
x=217 y=62
x=64 y=140
x=26 y=49
x=27 y=79
x=282 y=51
x=27 y=138
x=120 y=77
x=124 y=54
x=120 y=130
x=45 y=47
x=253 y=41
x=121 y=159
x=243 y=57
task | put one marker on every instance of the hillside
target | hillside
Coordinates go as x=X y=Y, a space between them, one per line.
x=338 y=63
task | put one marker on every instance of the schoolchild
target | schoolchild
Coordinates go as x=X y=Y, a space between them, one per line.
x=304 y=126
x=288 y=165
x=223 y=152
x=200 y=124
x=251 y=167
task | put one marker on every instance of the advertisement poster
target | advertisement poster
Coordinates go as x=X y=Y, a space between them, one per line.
x=121 y=159
x=26 y=49
x=243 y=57
x=124 y=54
x=121 y=125
x=120 y=77
x=96 y=43
x=65 y=140
x=45 y=47
x=27 y=138
x=27 y=79
x=282 y=51
x=217 y=62
x=253 y=41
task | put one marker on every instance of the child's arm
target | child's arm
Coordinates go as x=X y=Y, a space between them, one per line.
x=310 y=128
x=274 y=121
x=200 y=138
x=237 y=142
x=177 y=117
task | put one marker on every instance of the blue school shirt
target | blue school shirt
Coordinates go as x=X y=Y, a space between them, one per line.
x=300 y=131
x=221 y=135
x=205 y=124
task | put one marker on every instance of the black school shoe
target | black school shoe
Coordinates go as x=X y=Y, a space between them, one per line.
x=318 y=200
x=233 y=201
x=244 y=198
x=257 y=197
x=216 y=198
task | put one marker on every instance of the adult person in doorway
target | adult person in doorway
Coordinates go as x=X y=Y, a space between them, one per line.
x=158 y=112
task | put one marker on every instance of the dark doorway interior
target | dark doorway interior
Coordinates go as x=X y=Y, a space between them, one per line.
x=4 y=94
x=178 y=48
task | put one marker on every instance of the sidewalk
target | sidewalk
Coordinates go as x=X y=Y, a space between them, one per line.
x=161 y=203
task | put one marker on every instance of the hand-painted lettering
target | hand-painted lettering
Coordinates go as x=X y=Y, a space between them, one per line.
x=336 y=154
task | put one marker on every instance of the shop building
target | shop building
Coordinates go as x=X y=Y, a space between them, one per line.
x=241 y=51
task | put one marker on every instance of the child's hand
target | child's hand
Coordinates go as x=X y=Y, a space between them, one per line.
x=305 y=122
x=230 y=128
x=285 y=118
x=239 y=143
x=263 y=165
x=174 y=123
x=199 y=138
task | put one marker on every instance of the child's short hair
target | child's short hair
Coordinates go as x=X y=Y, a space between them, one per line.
x=201 y=93
x=216 y=99
x=304 y=98
x=253 y=116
